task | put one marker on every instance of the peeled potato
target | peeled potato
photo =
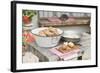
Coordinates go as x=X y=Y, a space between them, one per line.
x=42 y=33
x=50 y=31
x=64 y=46
x=70 y=44
x=65 y=43
x=53 y=30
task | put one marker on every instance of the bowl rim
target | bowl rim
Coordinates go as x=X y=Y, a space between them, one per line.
x=71 y=37
x=48 y=36
x=66 y=34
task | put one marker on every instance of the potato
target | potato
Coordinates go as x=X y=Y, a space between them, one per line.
x=50 y=31
x=70 y=44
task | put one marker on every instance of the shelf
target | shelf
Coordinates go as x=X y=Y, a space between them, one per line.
x=64 y=25
x=77 y=21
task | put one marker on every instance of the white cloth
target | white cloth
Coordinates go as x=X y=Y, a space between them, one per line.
x=86 y=46
x=30 y=58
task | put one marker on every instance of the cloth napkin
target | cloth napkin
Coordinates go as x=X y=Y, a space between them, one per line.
x=65 y=56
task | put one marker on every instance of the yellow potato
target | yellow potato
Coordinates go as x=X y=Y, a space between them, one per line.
x=70 y=44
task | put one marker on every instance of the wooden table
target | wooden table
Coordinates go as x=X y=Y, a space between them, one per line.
x=45 y=54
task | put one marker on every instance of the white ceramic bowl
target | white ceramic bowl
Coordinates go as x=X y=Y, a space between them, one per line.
x=46 y=41
x=71 y=36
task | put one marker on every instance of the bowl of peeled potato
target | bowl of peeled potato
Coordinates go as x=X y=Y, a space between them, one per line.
x=47 y=36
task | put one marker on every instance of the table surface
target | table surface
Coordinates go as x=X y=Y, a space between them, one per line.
x=44 y=51
x=45 y=54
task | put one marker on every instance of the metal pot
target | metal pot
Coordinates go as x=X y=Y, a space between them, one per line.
x=46 y=41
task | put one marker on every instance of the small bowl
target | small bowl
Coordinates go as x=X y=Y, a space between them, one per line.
x=71 y=36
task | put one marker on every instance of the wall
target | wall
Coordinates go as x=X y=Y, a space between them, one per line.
x=59 y=13
x=78 y=29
